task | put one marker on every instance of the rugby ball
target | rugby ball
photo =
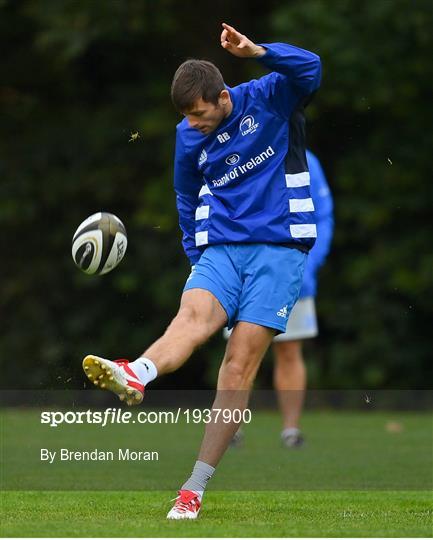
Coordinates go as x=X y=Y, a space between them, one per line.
x=99 y=243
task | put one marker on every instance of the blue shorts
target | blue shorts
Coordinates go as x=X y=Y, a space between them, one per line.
x=256 y=283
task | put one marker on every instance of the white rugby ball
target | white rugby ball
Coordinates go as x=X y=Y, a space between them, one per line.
x=99 y=243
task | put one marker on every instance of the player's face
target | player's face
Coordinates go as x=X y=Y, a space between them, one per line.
x=205 y=116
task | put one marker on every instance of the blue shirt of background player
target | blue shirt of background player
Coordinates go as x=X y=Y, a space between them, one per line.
x=323 y=212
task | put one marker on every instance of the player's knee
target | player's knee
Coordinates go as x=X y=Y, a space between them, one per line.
x=191 y=321
x=286 y=352
x=238 y=372
x=234 y=377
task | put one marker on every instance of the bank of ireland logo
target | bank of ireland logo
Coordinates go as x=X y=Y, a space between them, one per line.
x=233 y=159
x=248 y=125
x=203 y=157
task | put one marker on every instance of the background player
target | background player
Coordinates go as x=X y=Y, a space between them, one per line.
x=290 y=376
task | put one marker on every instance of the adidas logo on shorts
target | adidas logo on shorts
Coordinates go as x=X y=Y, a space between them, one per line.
x=283 y=312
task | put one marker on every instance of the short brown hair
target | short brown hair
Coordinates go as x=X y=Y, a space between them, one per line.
x=195 y=79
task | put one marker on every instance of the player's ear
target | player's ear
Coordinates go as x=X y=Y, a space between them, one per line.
x=224 y=97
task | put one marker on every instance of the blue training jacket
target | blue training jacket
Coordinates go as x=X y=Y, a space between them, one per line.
x=248 y=180
x=324 y=218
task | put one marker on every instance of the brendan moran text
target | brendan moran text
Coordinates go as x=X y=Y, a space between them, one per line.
x=121 y=454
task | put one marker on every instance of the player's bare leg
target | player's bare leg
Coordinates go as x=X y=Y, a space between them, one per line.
x=244 y=353
x=245 y=349
x=290 y=382
x=200 y=315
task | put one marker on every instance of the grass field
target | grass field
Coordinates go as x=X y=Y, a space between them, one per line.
x=225 y=514
x=355 y=477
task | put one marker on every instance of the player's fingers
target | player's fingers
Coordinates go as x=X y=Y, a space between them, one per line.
x=235 y=39
x=223 y=36
x=232 y=34
x=228 y=27
x=228 y=46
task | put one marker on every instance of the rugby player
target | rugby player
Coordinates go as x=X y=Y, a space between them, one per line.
x=247 y=232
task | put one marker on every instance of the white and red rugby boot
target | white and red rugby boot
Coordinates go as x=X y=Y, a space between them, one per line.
x=187 y=505
x=116 y=376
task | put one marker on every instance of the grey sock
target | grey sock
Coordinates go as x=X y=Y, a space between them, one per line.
x=201 y=473
x=289 y=432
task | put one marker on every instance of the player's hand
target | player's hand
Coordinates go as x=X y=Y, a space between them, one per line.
x=236 y=43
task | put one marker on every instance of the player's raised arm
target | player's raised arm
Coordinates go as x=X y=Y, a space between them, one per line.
x=239 y=45
x=301 y=67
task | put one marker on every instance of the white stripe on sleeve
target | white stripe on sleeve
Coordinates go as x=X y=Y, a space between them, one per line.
x=298 y=179
x=201 y=238
x=202 y=212
x=307 y=230
x=301 y=205
x=205 y=191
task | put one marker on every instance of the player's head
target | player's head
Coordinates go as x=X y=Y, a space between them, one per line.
x=199 y=93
